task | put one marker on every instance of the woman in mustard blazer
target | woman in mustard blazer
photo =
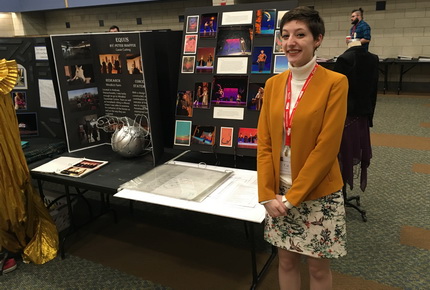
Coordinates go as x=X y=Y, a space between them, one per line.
x=299 y=180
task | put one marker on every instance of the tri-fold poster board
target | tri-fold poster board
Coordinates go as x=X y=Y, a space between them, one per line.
x=228 y=53
x=110 y=75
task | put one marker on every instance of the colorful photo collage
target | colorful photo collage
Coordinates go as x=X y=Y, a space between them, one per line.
x=234 y=36
x=27 y=122
x=82 y=95
x=19 y=94
x=199 y=59
x=225 y=91
x=223 y=46
x=187 y=133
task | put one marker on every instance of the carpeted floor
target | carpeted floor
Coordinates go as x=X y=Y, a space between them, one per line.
x=166 y=248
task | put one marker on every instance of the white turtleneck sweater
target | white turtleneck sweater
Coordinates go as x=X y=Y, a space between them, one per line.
x=299 y=76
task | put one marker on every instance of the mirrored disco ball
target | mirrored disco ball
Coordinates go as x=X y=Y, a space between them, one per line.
x=130 y=141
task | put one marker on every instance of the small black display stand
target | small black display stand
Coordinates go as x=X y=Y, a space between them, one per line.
x=356 y=206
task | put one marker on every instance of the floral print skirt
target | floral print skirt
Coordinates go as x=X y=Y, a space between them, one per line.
x=316 y=228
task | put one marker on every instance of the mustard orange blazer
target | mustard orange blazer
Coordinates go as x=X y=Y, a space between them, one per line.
x=316 y=133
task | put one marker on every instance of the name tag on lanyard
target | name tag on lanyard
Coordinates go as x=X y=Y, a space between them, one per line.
x=286 y=161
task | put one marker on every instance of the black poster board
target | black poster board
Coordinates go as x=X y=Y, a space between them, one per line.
x=221 y=80
x=35 y=72
x=167 y=46
x=106 y=74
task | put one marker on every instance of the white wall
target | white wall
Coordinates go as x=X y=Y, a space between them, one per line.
x=6 y=25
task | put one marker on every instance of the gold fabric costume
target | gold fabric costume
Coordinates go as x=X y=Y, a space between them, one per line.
x=25 y=224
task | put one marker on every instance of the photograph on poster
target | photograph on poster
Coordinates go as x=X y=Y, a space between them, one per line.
x=83 y=99
x=192 y=24
x=247 y=138
x=261 y=59
x=27 y=124
x=255 y=96
x=76 y=49
x=277 y=43
x=110 y=63
x=184 y=103
x=202 y=95
x=87 y=129
x=209 y=25
x=237 y=17
x=204 y=135
x=205 y=60
x=279 y=18
x=280 y=64
x=229 y=90
x=19 y=100
x=188 y=64
x=79 y=74
x=226 y=137
x=235 y=40
x=182 y=133
x=134 y=64
x=265 y=21
x=21 y=82
x=190 y=44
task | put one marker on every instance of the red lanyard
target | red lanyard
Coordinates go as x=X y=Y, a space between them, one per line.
x=353 y=30
x=288 y=118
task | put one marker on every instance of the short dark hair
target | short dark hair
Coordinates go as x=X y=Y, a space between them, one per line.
x=114 y=27
x=309 y=16
x=359 y=10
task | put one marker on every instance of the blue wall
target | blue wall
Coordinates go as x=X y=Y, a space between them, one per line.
x=84 y=3
x=10 y=6
x=38 y=5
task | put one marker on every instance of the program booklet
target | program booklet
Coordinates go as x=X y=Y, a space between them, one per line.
x=71 y=166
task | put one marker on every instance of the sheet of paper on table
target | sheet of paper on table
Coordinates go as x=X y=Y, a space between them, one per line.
x=240 y=189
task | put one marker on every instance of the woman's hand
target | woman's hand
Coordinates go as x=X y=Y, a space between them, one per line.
x=276 y=207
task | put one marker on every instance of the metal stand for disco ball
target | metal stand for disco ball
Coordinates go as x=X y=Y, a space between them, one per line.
x=129 y=138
